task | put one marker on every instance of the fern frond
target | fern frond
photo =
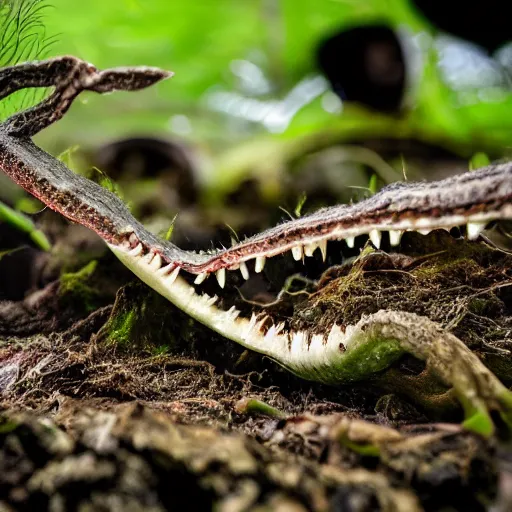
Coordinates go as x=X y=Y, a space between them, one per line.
x=23 y=38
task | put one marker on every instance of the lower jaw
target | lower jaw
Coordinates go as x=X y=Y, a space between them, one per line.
x=298 y=351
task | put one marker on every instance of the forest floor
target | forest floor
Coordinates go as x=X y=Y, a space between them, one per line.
x=112 y=399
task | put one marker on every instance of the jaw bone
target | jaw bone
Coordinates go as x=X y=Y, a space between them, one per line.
x=299 y=351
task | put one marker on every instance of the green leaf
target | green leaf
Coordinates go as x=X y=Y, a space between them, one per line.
x=300 y=204
x=373 y=184
x=478 y=160
x=25 y=225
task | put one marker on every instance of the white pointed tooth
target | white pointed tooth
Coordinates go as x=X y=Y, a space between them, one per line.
x=351 y=240
x=221 y=277
x=233 y=312
x=297 y=252
x=250 y=326
x=270 y=333
x=244 y=270
x=212 y=300
x=279 y=327
x=336 y=335
x=425 y=231
x=147 y=258
x=260 y=264
x=172 y=276
x=200 y=278
x=298 y=339
x=474 y=229
x=309 y=249
x=395 y=236
x=136 y=251
x=375 y=237
x=323 y=248
x=156 y=263
x=164 y=270
x=261 y=323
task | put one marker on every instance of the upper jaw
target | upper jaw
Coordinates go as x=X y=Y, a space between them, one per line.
x=303 y=239
x=472 y=199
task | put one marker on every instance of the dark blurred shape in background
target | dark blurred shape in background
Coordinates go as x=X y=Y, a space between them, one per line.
x=19 y=268
x=366 y=65
x=487 y=24
x=148 y=157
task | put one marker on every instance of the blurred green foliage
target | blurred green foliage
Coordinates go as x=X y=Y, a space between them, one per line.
x=211 y=44
x=202 y=41
x=24 y=224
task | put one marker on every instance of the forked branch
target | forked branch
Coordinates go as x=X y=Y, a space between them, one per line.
x=69 y=76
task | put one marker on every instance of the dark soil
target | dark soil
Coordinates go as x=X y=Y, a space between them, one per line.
x=113 y=399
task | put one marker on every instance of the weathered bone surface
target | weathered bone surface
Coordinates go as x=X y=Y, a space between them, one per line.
x=471 y=199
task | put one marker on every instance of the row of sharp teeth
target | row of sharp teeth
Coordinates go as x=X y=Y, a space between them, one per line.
x=170 y=272
x=203 y=307
x=169 y=275
x=154 y=261
x=300 y=251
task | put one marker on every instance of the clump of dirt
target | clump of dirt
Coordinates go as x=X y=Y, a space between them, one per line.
x=130 y=456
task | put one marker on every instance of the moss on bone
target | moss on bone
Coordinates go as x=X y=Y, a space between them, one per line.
x=362 y=360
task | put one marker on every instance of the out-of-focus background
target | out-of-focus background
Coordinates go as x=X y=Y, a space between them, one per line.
x=278 y=101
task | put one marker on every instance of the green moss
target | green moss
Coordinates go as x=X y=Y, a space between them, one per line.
x=442 y=266
x=142 y=319
x=68 y=279
x=77 y=288
x=7 y=426
x=505 y=403
x=161 y=350
x=365 y=357
x=484 y=306
x=121 y=326
x=478 y=418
